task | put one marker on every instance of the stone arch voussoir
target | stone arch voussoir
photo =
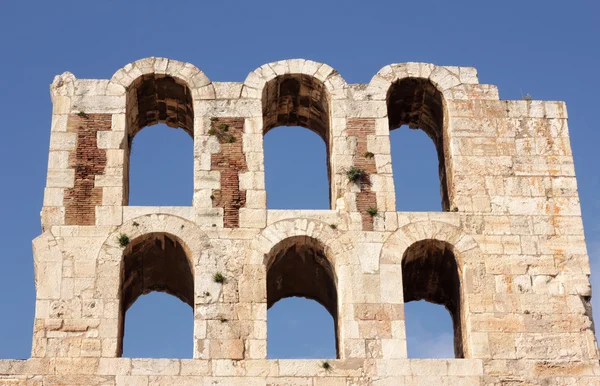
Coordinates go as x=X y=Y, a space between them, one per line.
x=396 y=245
x=272 y=235
x=190 y=235
x=255 y=81
x=442 y=77
x=196 y=80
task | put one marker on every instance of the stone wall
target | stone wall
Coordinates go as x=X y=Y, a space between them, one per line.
x=507 y=257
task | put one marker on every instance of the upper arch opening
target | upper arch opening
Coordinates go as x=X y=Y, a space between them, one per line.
x=157 y=99
x=417 y=103
x=298 y=100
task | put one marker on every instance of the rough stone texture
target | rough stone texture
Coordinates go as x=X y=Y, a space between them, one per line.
x=508 y=259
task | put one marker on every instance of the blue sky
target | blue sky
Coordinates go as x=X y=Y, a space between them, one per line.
x=547 y=49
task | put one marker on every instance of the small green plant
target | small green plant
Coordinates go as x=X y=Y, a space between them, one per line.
x=332 y=226
x=222 y=133
x=368 y=154
x=527 y=97
x=325 y=365
x=136 y=224
x=214 y=225
x=123 y=240
x=219 y=278
x=354 y=173
x=372 y=211
x=83 y=115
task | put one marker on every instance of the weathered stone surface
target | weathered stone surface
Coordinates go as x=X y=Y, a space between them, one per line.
x=507 y=257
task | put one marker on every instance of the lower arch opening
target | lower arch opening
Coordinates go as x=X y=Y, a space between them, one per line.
x=152 y=264
x=430 y=273
x=298 y=271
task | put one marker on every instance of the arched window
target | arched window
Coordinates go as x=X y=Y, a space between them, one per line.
x=157 y=262
x=299 y=268
x=415 y=171
x=154 y=153
x=418 y=104
x=296 y=171
x=430 y=273
x=294 y=160
x=159 y=99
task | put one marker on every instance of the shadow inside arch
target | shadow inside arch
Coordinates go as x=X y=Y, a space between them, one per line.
x=430 y=272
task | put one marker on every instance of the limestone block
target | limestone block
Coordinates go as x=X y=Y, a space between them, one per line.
x=59 y=123
x=91 y=86
x=209 y=217
x=109 y=215
x=368 y=255
x=53 y=197
x=194 y=367
x=555 y=109
x=109 y=180
x=253 y=218
x=394 y=367
x=110 y=140
x=228 y=90
x=119 y=122
x=63 y=141
x=227 y=349
x=131 y=380
x=394 y=348
x=61 y=105
x=60 y=178
x=112 y=196
x=207 y=180
x=468 y=75
x=52 y=215
x=155 y=366
x=48 y=279
x=90 y=104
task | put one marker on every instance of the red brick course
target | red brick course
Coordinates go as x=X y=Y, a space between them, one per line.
x=230 y=161
x=365 y=199
x=88 y=161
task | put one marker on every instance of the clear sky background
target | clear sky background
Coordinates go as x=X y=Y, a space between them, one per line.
x=549 y=49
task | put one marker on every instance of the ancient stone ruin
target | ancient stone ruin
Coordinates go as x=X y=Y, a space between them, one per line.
x=506 y=257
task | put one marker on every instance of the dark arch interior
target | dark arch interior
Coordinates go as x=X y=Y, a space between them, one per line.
x=417 y=103
x=297 y=100
x=154 y=99
x=155 y=262
x=430 y=273
x=299 y=267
